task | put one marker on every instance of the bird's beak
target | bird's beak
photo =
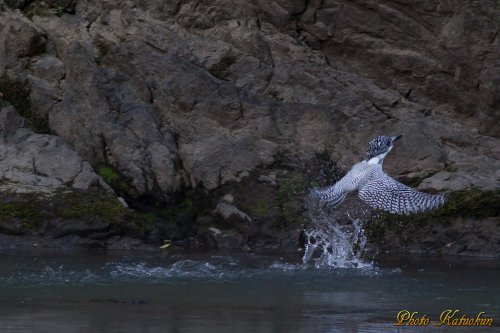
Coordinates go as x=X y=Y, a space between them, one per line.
x=395 y=138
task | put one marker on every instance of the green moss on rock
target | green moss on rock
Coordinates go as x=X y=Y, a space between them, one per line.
x=108 y=174
x=77 y=205
x=25 y=212
x=292 y=186
x=116 y=180
x=29 y=211
x=260 y=209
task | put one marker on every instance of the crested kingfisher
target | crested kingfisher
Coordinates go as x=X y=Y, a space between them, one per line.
x=376 y=188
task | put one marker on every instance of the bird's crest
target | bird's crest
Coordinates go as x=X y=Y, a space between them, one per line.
x=380 y=145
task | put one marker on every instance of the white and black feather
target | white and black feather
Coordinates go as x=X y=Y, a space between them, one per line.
x=383 y=192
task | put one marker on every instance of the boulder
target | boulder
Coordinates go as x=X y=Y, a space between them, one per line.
x=31 y=162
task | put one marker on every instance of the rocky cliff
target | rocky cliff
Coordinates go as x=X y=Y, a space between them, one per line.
x=214 y=117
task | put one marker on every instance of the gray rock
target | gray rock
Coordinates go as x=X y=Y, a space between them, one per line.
x=432 y=54
x=10 y=121
x=78 y=228
x=203 y=104
x=228 y=198
x=44 y=95
x=230 y=212
x=31 y=162
x=271 y=179
x=21 y=39
x=200 y=103
x=86 y=178
x=48 y=68
x=228 y=239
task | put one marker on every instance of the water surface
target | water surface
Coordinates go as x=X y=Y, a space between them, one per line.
x=165 y=292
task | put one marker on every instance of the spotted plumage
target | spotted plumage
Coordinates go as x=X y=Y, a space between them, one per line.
x=376 y=188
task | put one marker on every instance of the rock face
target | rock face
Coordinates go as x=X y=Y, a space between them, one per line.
x=441 y=54
x=31 y=162
x=182 y=95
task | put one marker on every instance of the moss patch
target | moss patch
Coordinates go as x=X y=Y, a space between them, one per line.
x=260 y=209
x=28 y=211
x=82 y=206
x=116 y=180
x=292 y=187
x=108 y=174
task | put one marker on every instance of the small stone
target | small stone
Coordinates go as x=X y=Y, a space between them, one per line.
x=215 y=231
x=122 y=202
x=264 y=179
x=228 y=198
x=228 y=211
x=271 y=179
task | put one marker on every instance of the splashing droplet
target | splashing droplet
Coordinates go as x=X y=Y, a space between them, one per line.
x=333 y=239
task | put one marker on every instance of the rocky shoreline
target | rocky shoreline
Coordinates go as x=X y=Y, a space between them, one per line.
x=203 y=125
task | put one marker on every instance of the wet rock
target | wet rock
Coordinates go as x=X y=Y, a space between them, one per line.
x=230 y=212
x=75 y=241
x=229 y=239
x=462 y=237
x=125 y=243
x=75 y=227
x=217 y=239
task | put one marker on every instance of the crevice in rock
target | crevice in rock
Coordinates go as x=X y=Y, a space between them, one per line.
x=382 y=111
x=257 y=22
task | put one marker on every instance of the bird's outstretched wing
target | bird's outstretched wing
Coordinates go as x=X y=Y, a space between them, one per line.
x=332 y=195
x=386 y=193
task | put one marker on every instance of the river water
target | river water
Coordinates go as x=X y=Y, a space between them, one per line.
x=224 y=292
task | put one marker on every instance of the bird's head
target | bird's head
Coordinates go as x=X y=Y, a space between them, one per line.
x=379 y=147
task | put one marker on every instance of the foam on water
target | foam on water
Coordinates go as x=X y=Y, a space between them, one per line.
x=334 y=239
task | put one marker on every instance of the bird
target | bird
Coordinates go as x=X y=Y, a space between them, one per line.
x=376 y=188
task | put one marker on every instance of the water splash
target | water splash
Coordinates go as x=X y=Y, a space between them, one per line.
x=181 y=268
x=149 y=269
x=334 y=238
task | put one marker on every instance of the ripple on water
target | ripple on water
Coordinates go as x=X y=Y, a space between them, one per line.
x=153 y=269
x=181 y=268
